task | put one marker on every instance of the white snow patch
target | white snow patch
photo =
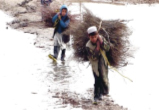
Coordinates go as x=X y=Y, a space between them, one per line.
x=20 y=60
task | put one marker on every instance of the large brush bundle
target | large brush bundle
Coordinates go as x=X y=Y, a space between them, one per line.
x=114 y=31
x=47 y=13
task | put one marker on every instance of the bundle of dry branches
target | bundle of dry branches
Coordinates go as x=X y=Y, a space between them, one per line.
x=48 y=12
x=114 y=31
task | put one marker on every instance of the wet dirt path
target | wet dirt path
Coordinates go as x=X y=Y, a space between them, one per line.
x=66 y=78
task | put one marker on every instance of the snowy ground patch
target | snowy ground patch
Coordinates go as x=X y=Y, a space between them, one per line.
x=24 y=68
x=22 y=71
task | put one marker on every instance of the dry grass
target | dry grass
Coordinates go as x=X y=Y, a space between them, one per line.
x=115 y=31
x=48 y=12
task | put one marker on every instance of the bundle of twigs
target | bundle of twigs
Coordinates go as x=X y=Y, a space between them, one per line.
x=114 y=31
x=48 y=12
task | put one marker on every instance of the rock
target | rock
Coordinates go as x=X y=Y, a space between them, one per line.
x=34 y=92
x=15 y=21
x=23 y=24
x=24 y=3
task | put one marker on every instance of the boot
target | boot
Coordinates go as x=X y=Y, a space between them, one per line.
x=100 y=92
x=100 y=96
x=63 y=55
x=96 y=95
x=95 y=100
x=56 y=51
x=105 y=90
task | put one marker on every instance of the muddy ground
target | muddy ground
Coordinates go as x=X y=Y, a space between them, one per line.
x=27 y=11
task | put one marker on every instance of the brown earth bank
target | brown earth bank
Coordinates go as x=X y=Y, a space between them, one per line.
x=27 y=18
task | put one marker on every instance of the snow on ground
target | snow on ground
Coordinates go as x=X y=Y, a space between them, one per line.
x=24 y=68
x=22 y=71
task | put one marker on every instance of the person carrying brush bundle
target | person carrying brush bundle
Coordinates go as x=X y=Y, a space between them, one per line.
x=46 y=2
x=61 y=22
x=94 y=46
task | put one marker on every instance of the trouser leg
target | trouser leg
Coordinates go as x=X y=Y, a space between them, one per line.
x=56 y=51
x=63 y=54
x=104 y=80
x=96 y=86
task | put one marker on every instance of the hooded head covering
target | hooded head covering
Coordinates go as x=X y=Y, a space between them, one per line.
x=62 y=7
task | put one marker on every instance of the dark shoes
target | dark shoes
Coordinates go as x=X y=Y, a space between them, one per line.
x=96 y=98
x=56 y=53
x=95 y=101
x=63 y=55
x=100 y=97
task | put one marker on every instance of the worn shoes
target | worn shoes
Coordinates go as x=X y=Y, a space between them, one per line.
x=63 y=55
x=96 y=98
x=52 y=57
x=100 y=97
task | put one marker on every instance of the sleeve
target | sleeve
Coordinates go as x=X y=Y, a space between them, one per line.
x=105 y=45
x=54 y=18
x=64 y=24
x=93 y=55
